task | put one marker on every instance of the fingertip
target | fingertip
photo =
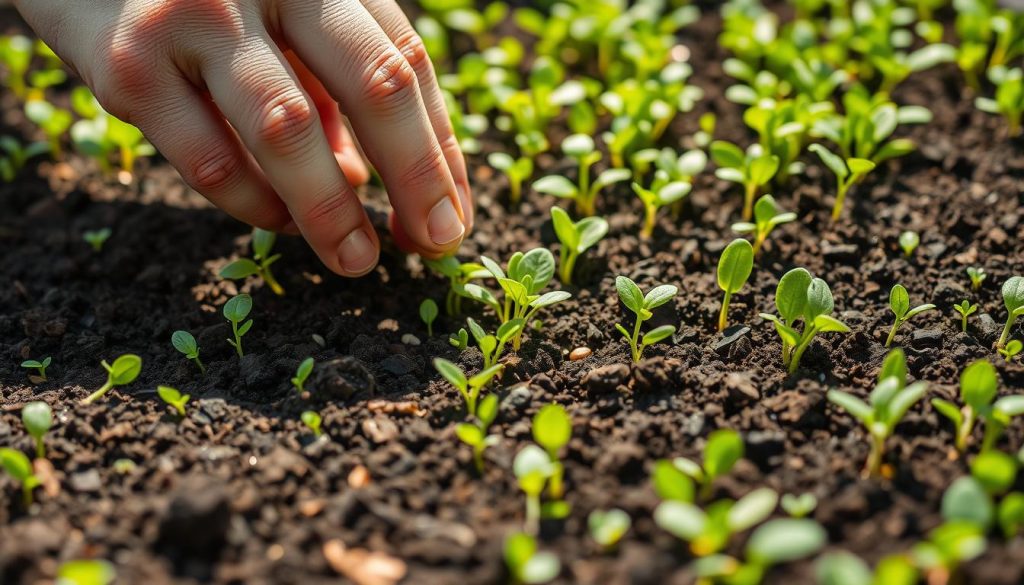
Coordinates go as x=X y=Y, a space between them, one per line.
x=407 y=245
x=351 y=163
x=358 y=253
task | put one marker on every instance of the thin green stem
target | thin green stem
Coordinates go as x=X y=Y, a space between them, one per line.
x=892 y=333
x=837 y=209
x=635 y=340
x=268 y=277
x=199 y=363
x=40 y=448
x=723 y=315
x=99 y=393
x=1006 y=331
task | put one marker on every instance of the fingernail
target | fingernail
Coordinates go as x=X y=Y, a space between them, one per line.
x=357 y=252
x=444 y=224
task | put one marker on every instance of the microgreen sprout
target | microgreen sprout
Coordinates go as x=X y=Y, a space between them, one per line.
x=38 y=418
x=475 y=434
x=654 y=199
x=302 y=374
x=1013 y=298
x=899 y=304
x=235 y=311
x=948 y=546
x=608 y=527
x=576 y=238
x=1013 y=347
x=96 y=238
x=86 y=572
x=766 y=218
x=458 y=274
x=778 y=541
x=492 y=346
x=798 y=506
x=19 y=467
x=53 y=121
x=642 y=306
x=17 y=156
x=552 y=429
x=174 y=398
x=979 y=385
x=709 y=531
x=459 y=340
x=977 y=275
x=734 y=269
x=123 y=371
x=848 y=173
x=313 y=421
x=753 y=169
x=1009 y=98
x=966 y=309
x=259 y=265
x=517 y=170
x=16 y=56
x=526 y=564
x=580 y=148
x=799 y=296
x=908 y=242
x=888 y=403
x=428 y=313
x=532 y=468
x=469 y=387
x=184 y=342
x=39 y=367
x=723 y=449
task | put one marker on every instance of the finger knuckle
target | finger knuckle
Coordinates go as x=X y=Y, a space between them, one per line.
x=286 y=122
x=426 y=170
x=334 y=209
x=390 y=80
x=415 y=52
x=214 y=171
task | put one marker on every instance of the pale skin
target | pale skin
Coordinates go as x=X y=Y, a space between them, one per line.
x=247 y=99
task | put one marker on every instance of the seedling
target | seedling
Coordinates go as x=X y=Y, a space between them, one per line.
x=428 y=313
x=38 y=418
x=302 y=374
x=948 y=546
x=313 y=421
x=642 y=307
x=848 y=173
x=977 y=275
x=843 y=568
x=235 y=311
x=576 y=238
x=654 y=199
x=86 y=572
x=966 y=309
x=53 y=121
x=723 y=449
x=475 y=435
x=39 y=367
x=709 y=531
x=799 y=296
x=459 y=274
x=1009 y=98
x=1013 y=298
x=517 y=171
x=17 y=155
x=96 y=238
x=19 y=467
x=459 y=340
x=766 y=218
x=123 y=371
x=899 y=304
x=469 y=387
x=174 y=398
x=753 y=169
x=1011 y=350
x=887 y=404
x=532 y=468
x=799 y=506
x=580 y=148
x=259 y=265
x=552 y=429
x=909 y=242
x=734 y=269
x=527 y=565
x=16 y=56
x=979 y=385
x=493 y=346
x=608 y=527
x=775 y=542
x=184 y=342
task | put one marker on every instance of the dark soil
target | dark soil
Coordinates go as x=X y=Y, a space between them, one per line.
x=239 y=492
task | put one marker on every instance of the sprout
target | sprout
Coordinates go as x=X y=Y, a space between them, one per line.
x=848 y=173
x=235 y=311
x=552 y=429
x=798 y=506
x=493 y=346
x=532 y=468
x=655 y=199
x=966 y=309
x=576 y=238
x=899 y=303
x=124 y=371
x=733 y=271
x=38 y=418
x=948 y=546
x=1009 y=98
x=19 y=467
x=843 y=568
x=475 y=435
x=766 y=218
x=608 y=527
x=753 y=169
x=642 y=306
x=184 y=342
x=96 y=238
x=977 y=275
x=312 y=420
x=53 y=121
x=469 y=387
x=517 y=170
x=428 y=313
x=723 y=449
x=460 y=340
x=909 y=242
x=259 y=265
x=526 y=565
x=174 y=398
x=776 y=541
x=580 y=148
x=39 y=367
x=1012 y=348
x=888 y=403
x=459 y=274
x=16 y=56
x=302 y=374
x=708 y=532
x=800 y=296
x=1013 y=298
x=86 y=572
x=17 y=155
x=979 y=385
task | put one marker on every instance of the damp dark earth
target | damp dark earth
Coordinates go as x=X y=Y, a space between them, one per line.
x=855 y=424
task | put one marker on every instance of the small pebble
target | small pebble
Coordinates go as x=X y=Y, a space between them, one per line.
x=410 y=339
x=580 y=353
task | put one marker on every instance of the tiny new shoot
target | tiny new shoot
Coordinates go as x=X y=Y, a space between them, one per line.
x=899 y=303
x=39 y=367
x=312 y=421
x=1013 y=347
x=966 y=309
x=475 y=434
x=517 y=170
x=532 y=468
x=96 y=238
x=580 y=147
x=576 y=238
x=977 y=275
x=86 y=572
x=979 y=385
x=174 y=398
x=302 y=374
x=799 y=506
x=526 y=565
x=428 y=314
x=38 y=418
x=259 y=264
x=848 y=173
x=642 y=307
x=723 y=449
x=908 y=242
x=766 y=218
x=235 y=311
x=184 y=342
x=1013 y=298
x=799 y=296
x=123 y=371
x=469 y=387
x=19 y=467
x=734 y=269
x=552 y=429
x=655 y=198
x=709 y=530
x=608 y=527
x=753 y=169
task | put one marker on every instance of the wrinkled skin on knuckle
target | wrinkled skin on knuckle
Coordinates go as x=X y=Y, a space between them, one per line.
x=425 y=172
x=331 y=211
x=285 y=121
x=415 y=52
x=213 y=170
x=389 y=81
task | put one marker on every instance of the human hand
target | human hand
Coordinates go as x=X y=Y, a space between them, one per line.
x=245 y=99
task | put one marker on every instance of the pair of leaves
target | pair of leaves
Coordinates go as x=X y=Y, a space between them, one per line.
x=641 y=304
x=664 y=195
x=899 y=303
x=766 y=217
x=581 y=235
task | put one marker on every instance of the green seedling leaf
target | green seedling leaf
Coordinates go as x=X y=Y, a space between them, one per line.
x=124 y=371
x=966 y=500
x=38 y=419
x=723 y=450
x=86 y=572
x=785 y=540
x=313 y=421
x=608 y=528
x=734 y=269
x=302 y=374
x=428 y=313
x=174 y=398
x=552 y=428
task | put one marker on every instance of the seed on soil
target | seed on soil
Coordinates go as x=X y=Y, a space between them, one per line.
x=580 y=353
x=359 y=477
